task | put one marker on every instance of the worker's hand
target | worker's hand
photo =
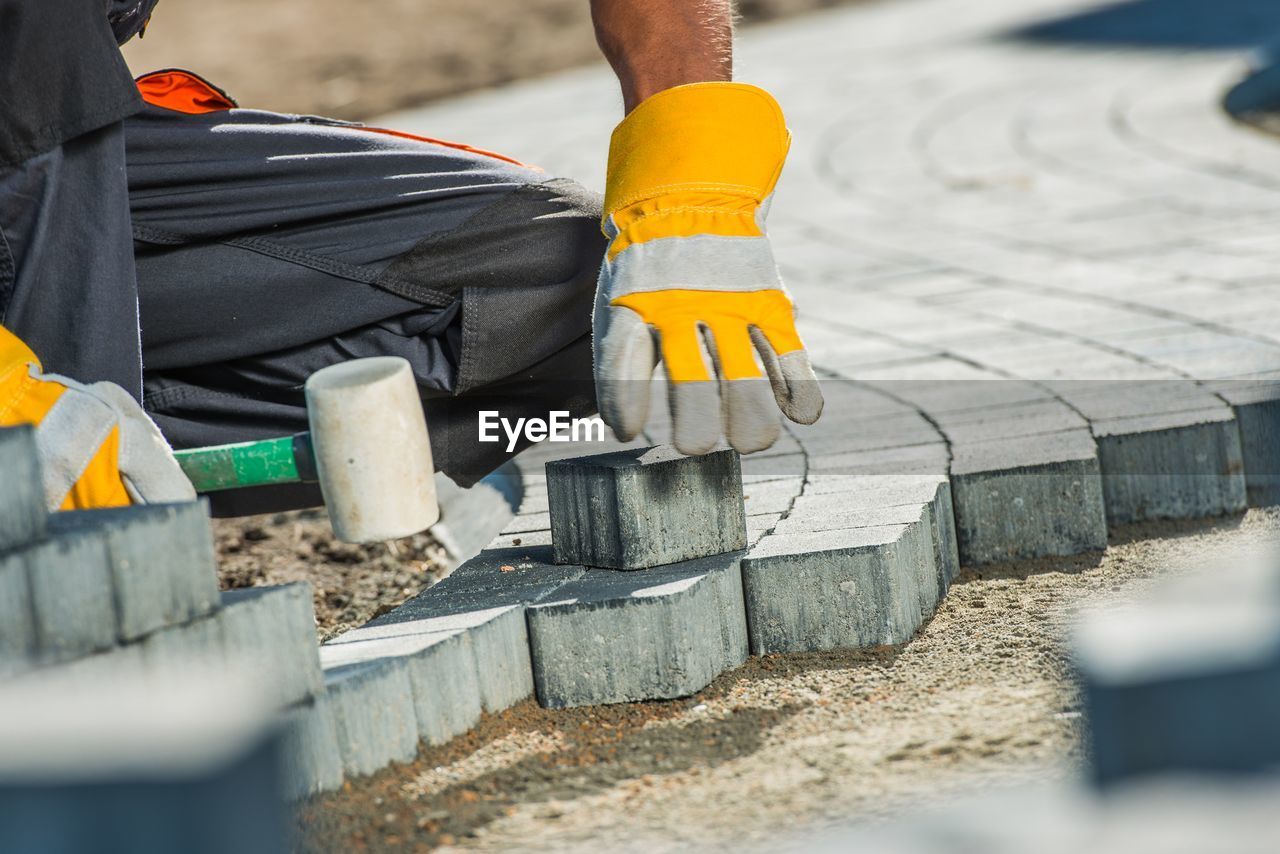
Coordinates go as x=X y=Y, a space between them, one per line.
x=97 y=447
x=689 y=276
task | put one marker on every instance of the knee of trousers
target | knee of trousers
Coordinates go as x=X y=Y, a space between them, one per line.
x=524 y=269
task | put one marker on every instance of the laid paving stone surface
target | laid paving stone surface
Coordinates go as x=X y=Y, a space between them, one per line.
x=759 y=526
x=911 y=460
x=644 y=508
x=310 y=756
x=1028 y=497
x=280 y=619
x=1035 y=418
x=837 y=518
x=374 y=722
x=463 y=641
x=860 y=561
x=1174 y=466
x=850 y=588
x=22 y=504
x=612 y=636
x=773 y=496
x=1258 y=414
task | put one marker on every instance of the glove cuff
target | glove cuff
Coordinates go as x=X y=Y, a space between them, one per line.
x=720 y=138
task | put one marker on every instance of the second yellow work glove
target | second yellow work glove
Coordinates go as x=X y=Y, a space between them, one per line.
x=689 y=276
x=97 y=447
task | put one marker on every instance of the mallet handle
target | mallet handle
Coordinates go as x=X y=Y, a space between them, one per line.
x=288 y=459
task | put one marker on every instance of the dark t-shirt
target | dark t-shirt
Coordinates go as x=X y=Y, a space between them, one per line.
x=61 y=75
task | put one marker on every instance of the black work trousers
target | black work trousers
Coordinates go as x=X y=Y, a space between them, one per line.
x=267 y=246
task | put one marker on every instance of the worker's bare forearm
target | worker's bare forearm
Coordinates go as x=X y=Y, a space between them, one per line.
x=656 y=44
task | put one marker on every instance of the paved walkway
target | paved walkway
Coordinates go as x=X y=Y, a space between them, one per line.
x=1037 y=266
x=1037 y=221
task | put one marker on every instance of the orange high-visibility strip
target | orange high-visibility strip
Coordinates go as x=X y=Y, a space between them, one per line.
x=186 y=92
x=460 y=146
x=183 y=92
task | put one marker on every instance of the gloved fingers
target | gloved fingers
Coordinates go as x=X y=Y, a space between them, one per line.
x=693 y=392
x=795 y=387
x=148 y=469
x=624 y=364
x=695 y=416
x=750 y=416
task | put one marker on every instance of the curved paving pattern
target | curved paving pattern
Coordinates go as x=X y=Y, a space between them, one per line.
x=1040 y=279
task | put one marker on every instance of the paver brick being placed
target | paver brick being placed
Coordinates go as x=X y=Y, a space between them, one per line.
x=645 y=507
x=70 y=581
x=162 y=563
x=270 y=632
x=612 y=636
x=22 y=503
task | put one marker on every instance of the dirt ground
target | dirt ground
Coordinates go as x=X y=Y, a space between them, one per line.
x=981 y=697
x=350 y=584
x=357 y=60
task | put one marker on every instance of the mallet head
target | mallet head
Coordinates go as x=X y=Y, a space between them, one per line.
x=373 y=458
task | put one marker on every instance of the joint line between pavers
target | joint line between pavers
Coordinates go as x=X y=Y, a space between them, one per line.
x=804 y=456
x=946 y=440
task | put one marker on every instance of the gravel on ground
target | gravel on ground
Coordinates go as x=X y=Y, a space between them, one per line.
x=350 y=584
x=982 y=697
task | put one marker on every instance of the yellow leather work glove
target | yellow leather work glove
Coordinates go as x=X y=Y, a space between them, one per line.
x=97 y=447
x=691 y=171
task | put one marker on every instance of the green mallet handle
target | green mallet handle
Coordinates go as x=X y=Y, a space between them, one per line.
x=289 y=459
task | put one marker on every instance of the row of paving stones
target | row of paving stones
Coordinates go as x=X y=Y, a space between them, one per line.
x=132 y=594
x=97 y=597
